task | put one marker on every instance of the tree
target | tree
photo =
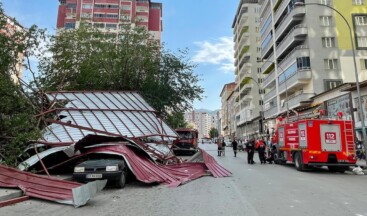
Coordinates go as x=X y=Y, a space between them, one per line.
x=176 y=120
x=213 y=133
x=18 y=105
x=88 y=59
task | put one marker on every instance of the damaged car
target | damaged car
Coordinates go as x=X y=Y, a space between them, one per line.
x=113 y=170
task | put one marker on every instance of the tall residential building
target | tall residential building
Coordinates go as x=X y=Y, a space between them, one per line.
x=111 y=15
x=228 y=97
x=306 y=50
x=248 y=77
x=202 y=122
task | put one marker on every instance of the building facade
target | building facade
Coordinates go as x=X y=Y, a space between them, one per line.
x=306 y=50
x=248 y=77
x=202 y=121
x=228 y=97
x=111 y=15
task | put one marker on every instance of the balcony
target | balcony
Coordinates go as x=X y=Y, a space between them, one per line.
x=264 y=7
x=283 y=6
x=300 y=77
x=299 y=99
x=272 y=111
x=248 y=97
x=265 y=67
x=299 y=51
x=266 y=50
x=269 y=79
x=248 y=87
x=271 y=94
x=294 y=37
x=289 y=20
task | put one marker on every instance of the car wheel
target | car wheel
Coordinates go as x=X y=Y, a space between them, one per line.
x=122 y=181
x=298 y=161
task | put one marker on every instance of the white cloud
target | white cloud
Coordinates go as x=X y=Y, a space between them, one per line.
x=219 y=52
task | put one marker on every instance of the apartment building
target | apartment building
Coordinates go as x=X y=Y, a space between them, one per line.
x=228 y=100
x=111 y=15
x=248 y=75
x=306 y=50
x=202 y=121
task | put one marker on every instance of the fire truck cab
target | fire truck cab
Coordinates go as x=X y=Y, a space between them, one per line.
x=187 y=142
x=316 y=142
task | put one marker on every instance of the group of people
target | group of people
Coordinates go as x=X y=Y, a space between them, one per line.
x=266 y=151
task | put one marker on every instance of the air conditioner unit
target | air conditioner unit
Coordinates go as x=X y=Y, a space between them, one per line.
x=282 y=103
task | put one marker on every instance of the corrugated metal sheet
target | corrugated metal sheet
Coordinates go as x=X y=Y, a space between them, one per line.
x=145 y=170
x=103 y=113
x=48 y=188
x=216 y=169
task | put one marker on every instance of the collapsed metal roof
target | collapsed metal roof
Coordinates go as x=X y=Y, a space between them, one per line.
x=48 y=188
x=113 y=113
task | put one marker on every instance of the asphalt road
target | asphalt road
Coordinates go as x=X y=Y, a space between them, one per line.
x=252 y=190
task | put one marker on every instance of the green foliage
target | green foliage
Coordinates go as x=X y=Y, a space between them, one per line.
x=176 y=120
x=88 y=59
x=17 y=106
x=213 y=133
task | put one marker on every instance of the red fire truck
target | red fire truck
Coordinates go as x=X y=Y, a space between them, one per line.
x=316 y=142
x=187 y=142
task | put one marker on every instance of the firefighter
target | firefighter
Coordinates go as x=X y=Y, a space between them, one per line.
x=261 y=147
x=250 y=148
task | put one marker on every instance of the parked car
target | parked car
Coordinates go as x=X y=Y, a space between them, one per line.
x=114 y=170
x=228 y=143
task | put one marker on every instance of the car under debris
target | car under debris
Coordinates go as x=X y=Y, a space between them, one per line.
x=113 y=170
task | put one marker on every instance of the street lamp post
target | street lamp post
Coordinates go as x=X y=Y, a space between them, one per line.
x=361 y=115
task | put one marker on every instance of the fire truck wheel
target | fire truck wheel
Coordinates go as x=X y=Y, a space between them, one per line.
x=298 y=161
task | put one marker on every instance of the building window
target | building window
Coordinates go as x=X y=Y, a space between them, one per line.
x=99 y=25
x=364 y=64
x=87 y=6
x=69 y=26
x=86 y=15
x=257 y=29
x=258 y=49
x=325 y=20
x=259 y=70
x=330 y=84
x=328 y=42
x=125 y=7
x=98 y=15
x=112 y=16
x=331 y=64
x=361 y=20
x=111 y=25
x=358 y=2
x=362 y=42
x=71 y=6
x=303 y=63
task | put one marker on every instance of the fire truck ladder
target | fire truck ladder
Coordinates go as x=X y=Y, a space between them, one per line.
x=349 y=137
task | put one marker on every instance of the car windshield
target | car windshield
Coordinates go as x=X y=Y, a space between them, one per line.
x=186 y=134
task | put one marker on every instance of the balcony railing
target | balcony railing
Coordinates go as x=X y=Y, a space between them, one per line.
x=296 y=100
x=248 y=97
x=272 y=111
x=298 y=11
x=295 y=34
x=272 y=93
x=267 y=63
x=267 y=48
x=264 y=7
x=299 y=51
x=270 y=78
x=301 y=76
x=280 y=10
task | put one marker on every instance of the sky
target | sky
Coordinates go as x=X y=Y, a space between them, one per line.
x=202 y=26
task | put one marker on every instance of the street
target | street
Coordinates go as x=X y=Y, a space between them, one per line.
x=252 y=190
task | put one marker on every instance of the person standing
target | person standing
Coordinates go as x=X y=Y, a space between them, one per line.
x=219 y=144
x=234 y=146
x=261 y=147
x=250 y=148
